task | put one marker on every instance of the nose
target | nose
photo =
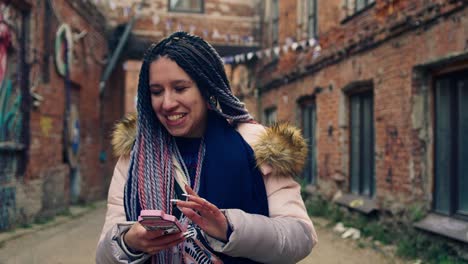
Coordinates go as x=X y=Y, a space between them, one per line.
x=169 y=101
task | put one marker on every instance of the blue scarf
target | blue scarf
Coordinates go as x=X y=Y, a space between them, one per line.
x=230 y=178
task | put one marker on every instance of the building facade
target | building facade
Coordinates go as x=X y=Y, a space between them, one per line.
x=379 y=89
x=230 y=26
x=54 y=124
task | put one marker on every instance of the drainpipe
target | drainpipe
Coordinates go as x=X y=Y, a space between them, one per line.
x=116 y=54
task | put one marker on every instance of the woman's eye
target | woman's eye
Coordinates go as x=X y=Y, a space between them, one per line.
x=156 y=92
x=181 y=89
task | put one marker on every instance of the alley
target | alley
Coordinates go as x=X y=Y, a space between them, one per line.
x=74 y=241
x=70 y=242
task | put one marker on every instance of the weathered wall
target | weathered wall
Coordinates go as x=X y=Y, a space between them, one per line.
x=47 y=183
x=384 y=44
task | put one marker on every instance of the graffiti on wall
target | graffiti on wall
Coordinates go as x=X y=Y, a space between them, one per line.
x=10 y=96
x=10 y=110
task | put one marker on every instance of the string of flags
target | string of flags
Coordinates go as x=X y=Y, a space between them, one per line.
x=275 y=51
x=214 y=34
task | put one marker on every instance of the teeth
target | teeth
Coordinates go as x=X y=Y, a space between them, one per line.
x=175 y=117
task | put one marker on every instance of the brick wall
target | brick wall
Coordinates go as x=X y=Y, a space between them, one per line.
x=384 y=44
x=44 y=189
x=222 y=22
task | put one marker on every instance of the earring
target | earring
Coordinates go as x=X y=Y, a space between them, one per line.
x=213 y=101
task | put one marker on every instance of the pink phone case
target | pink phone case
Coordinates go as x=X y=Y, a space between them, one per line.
x=158 y=220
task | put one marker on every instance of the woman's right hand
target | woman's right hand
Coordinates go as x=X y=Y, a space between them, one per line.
x=139 y=239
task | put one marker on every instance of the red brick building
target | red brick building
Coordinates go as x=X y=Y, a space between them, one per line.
x=232 y=27
x=54 y=144
x=383 y=101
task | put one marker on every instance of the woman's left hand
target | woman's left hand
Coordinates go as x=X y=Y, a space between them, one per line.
x=204 y=214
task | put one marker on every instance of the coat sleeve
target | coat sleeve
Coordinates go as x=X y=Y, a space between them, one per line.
x=286 y=236
x=110 y=248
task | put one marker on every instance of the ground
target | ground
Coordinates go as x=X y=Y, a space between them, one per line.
x=73 y=239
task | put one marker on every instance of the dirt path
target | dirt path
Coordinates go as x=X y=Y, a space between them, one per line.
x=72 y=241
x=332 y=249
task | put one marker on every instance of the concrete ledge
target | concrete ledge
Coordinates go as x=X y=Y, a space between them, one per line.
x=445 y=226
x=358 y=203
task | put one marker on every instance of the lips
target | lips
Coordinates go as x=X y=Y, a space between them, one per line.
x=175 y=120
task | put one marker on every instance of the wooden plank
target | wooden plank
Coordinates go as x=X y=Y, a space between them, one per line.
x=355 y=159
x=307 y=136
x=443 y=147
x=313 y=145
x=367 y=146
x=462 y=174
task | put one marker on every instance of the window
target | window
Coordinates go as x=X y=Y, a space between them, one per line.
x=362 y=144
x=312 y=18
x=269 y=116
x=275 y=22
x=309 y=118
x=451 y=145
x=190 y=6
x=354 y=6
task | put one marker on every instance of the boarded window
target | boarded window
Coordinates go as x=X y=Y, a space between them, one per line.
x=309 y=118
x=275 y=22
x=190 y=6
x=269 y=116
x=451 y=145
x=362 y=144
x=312 y=18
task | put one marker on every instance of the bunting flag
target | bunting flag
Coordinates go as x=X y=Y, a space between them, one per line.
x=277 y=51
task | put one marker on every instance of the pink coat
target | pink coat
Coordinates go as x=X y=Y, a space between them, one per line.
x=287 y=236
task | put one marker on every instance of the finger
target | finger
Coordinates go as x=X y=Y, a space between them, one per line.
x=192 y=215
x=192 y=205
x=154 y=234
x=168 y=241
x=190 y=190
x=205 y=205
x=156 y=249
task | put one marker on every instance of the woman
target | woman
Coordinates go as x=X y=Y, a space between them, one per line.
x=193 y=138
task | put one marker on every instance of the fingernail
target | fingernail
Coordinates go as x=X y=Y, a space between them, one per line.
x=186 y=195
x=174 y=200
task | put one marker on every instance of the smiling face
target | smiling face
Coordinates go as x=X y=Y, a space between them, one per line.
x=176 y=99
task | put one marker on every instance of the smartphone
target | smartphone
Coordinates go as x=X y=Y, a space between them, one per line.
x=158 y=220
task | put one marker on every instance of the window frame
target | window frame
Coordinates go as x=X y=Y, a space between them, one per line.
x=275 y=17
x=175 y=10
x=312 y=19
x=267 y=112
x=453 y=79
x=310 y=105
x=360 y=94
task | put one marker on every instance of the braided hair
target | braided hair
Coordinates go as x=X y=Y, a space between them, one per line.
x=151 y=175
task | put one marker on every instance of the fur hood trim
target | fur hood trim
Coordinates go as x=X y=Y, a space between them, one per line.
x=281 y=146
x=124 y=135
